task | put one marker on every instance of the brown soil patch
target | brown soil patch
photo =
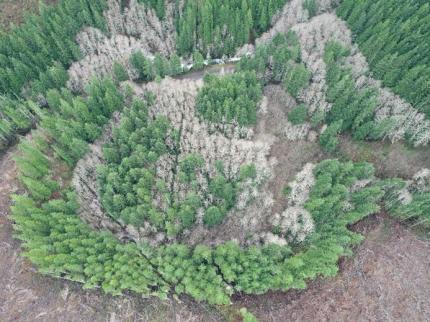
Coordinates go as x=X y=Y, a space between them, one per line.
x=387 y=279
x=290 y=155
x=13 y=11
x=390 y=160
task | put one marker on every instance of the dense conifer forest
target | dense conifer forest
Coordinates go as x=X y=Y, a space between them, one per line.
x=155 y=139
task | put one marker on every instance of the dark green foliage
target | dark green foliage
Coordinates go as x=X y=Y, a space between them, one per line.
x=161 y=66
x=230 y=99
x=189 y=165
x=247 y=171
x=352 y=109
x=137 y=144
x=158 y=5
x=119 y=72
x=394 y=37
x=219 y=28
x=149 y=69
x=311 y=6
x=41 y=48
x=143 y=66
x=175 y=65
x=298 y=115
x=16 y=117
x=296 y=78
x=74 y=122
x=34 y=58
x=198 y=61
x=279 y=62
x=213 y=216
x=317 y=118
x=129 y=183
x=328 y=139
x=55 y=76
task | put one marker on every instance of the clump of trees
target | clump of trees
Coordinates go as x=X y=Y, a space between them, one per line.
x=298 y=114
x=29 y=51
x=219 y=28
x=352 y=109
x=148 y=69
x=158 y=5
x=34 y=58
x=139 y=184
x=279 y=62
x=54 y=237
x=391 y=36
x=16 y=117
x=409 y=201
x=231 y=99
x=311 y=6
x=74 y=122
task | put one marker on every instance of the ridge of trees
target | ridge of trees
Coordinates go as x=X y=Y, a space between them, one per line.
x=352 y=109
x=217 y=29
x=394 y=36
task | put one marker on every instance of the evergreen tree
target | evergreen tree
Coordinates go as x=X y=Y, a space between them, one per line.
x=198 y=61
x=119 y=72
